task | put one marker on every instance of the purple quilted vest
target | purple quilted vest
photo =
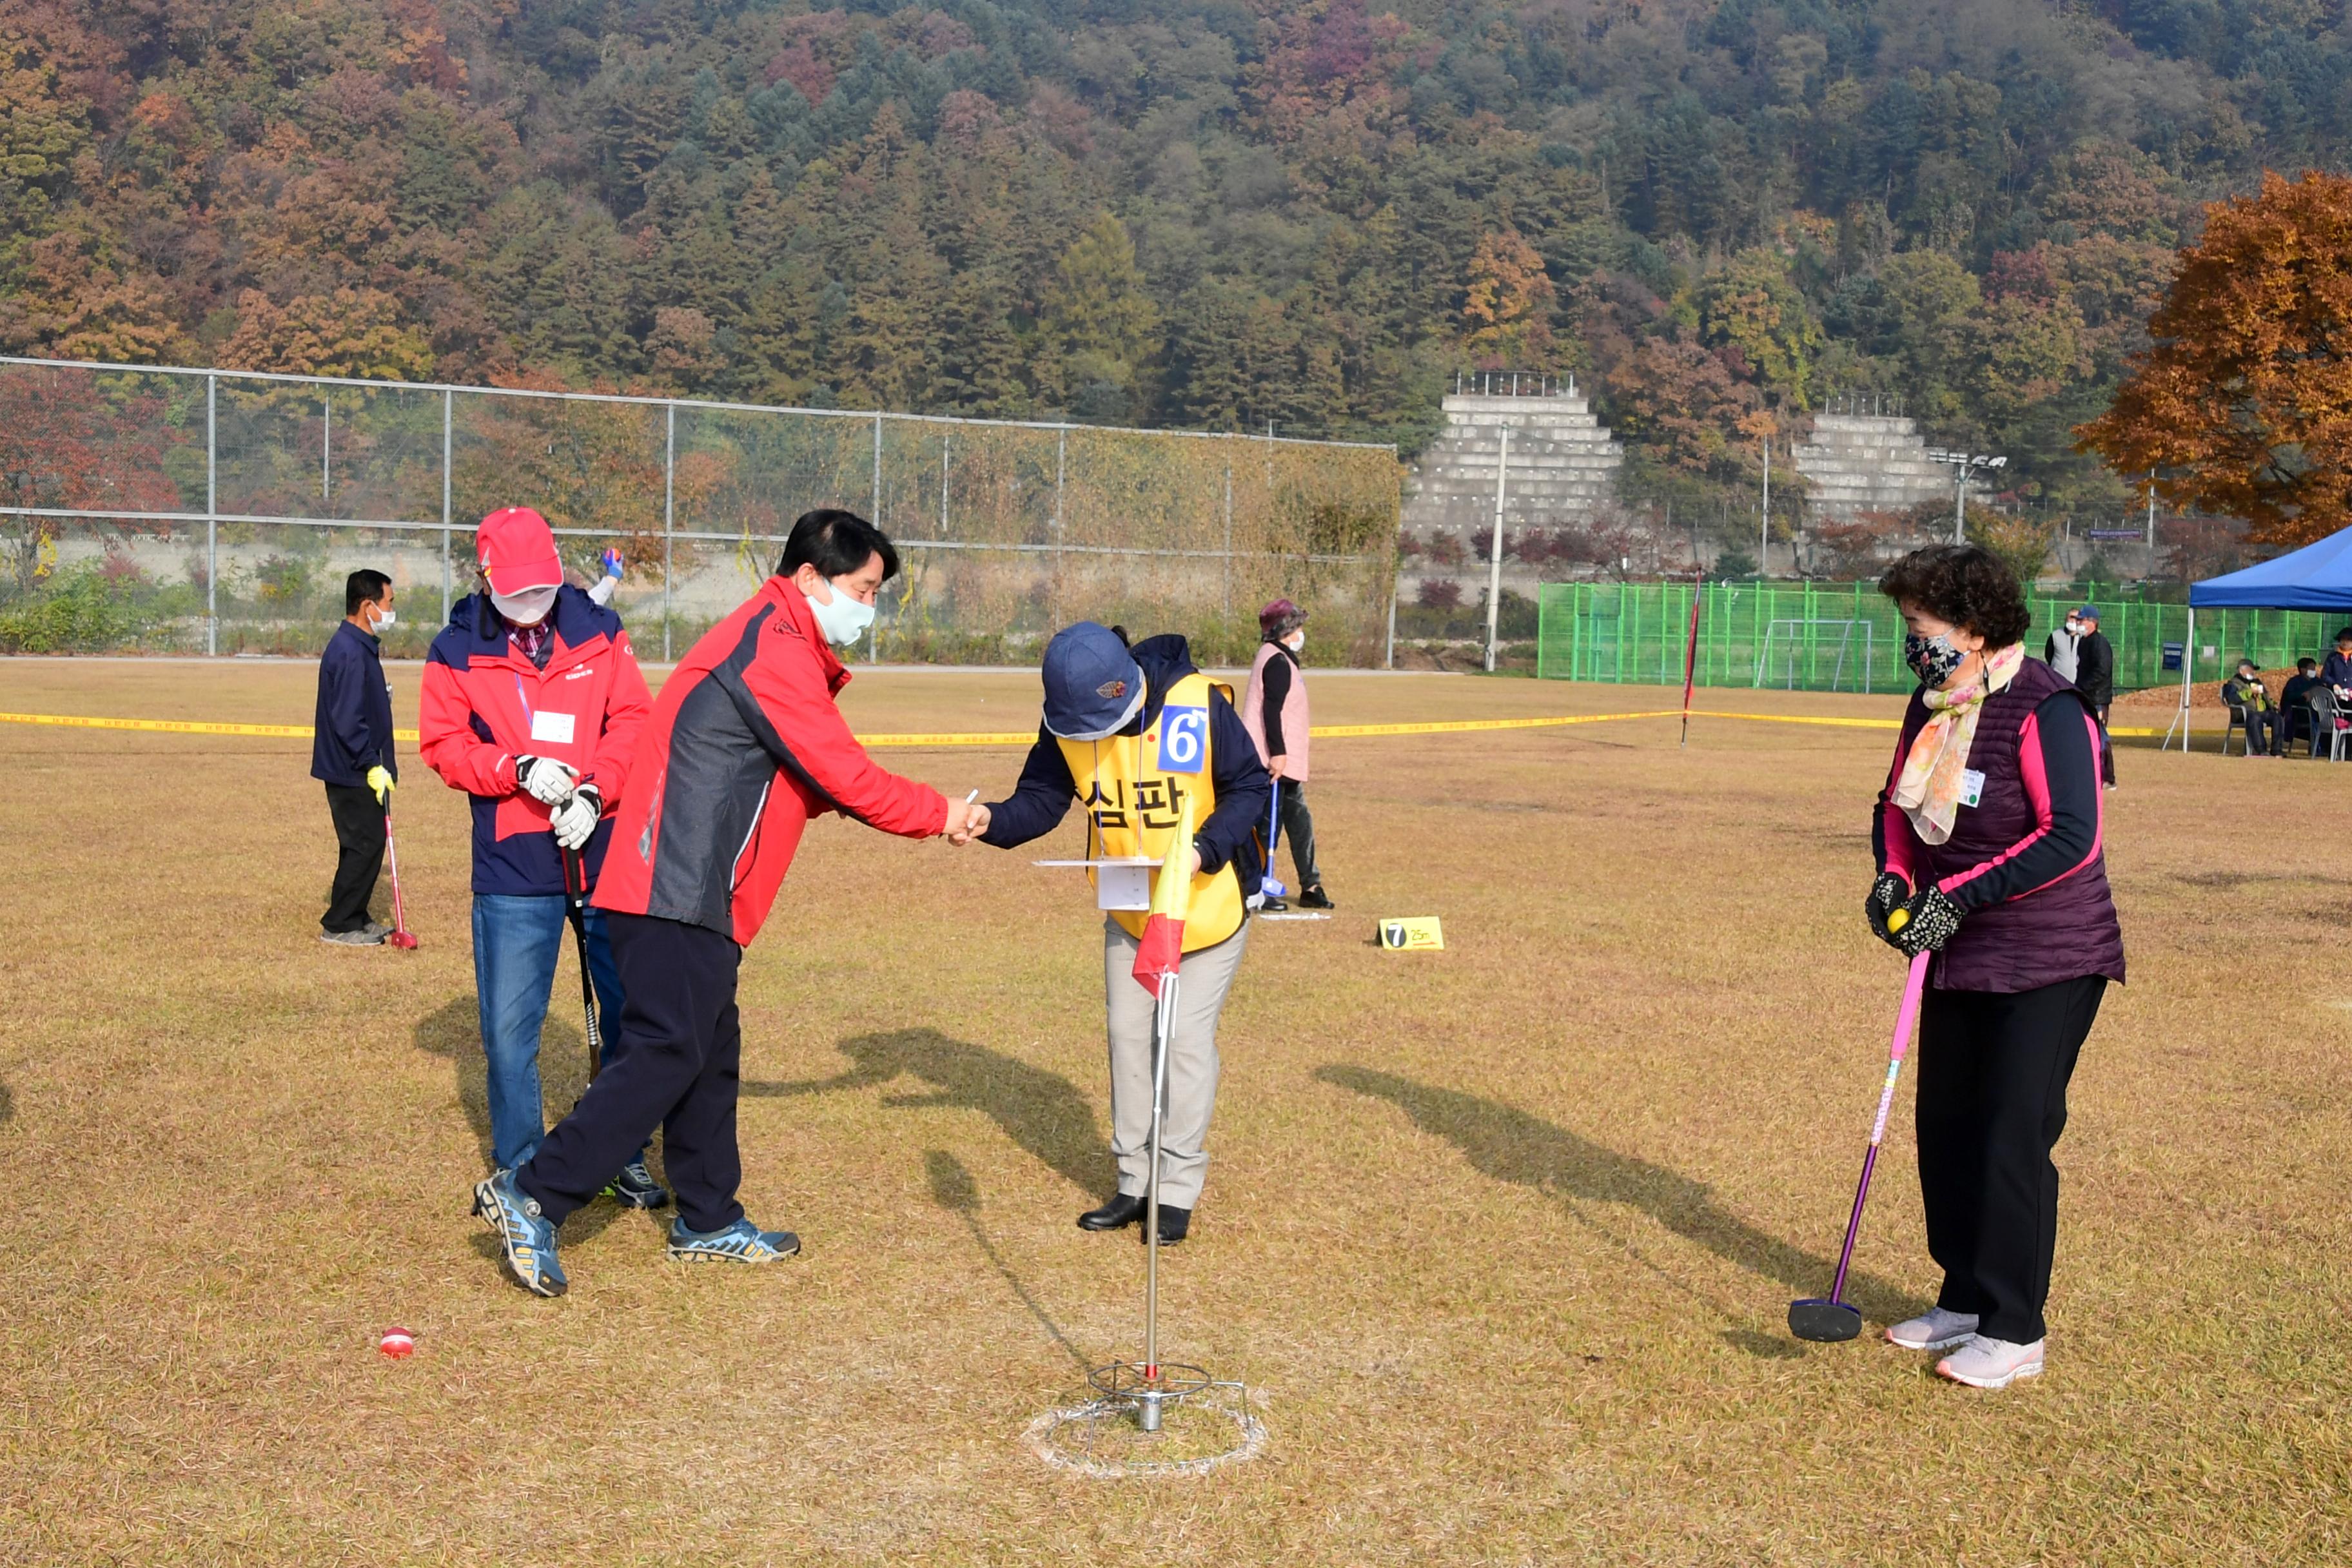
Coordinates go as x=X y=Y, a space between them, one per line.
x=2061 y=931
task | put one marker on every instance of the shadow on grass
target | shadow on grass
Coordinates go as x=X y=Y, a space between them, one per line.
x=1512 y=1146
x=1040 y=1112
x=453 y=1030
x=953 y=1189
x=7 y=1104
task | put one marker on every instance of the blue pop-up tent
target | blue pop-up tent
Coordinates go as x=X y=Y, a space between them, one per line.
x=2315 y=577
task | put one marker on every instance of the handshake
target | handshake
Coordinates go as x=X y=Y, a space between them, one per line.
x=967 y=820
x=575 y=807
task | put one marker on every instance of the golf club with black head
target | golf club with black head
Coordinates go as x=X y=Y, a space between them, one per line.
x=575 y=898
x=1830 y=1320
x=400 y=935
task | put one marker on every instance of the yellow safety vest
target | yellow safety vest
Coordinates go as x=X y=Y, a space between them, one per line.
x=1134 y=787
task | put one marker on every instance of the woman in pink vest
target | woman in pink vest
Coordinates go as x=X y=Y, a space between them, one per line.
x=1274 y=710
x=1989 y=835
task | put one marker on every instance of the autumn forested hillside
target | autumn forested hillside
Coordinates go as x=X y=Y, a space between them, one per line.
x=1194 y=211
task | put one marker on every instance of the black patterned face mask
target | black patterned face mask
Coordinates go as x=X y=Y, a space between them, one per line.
x=1933 y=659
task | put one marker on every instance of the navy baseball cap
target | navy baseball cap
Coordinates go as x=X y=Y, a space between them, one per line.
x=1093 y=685
x=2088 y=613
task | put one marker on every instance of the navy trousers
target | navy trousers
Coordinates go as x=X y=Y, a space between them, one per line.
x=677 y=1066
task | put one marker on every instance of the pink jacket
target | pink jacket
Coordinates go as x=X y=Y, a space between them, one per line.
x=1290 y=709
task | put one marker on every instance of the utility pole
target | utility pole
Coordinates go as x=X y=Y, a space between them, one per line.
x=1494 y=563
x=1962 y=463
x=1764 y=523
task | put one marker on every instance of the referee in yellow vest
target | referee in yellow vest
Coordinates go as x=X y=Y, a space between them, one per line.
x=1134 y=734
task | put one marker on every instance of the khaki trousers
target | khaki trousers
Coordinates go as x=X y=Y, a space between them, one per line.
x=1201 y=984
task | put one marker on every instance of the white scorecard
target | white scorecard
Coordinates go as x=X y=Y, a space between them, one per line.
x=1121 y=882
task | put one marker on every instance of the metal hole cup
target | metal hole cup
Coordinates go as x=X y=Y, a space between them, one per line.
x=1148 y=1386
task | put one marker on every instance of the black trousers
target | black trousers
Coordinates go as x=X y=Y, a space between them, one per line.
x=1993 y=1069
x=359 y=835
x=2266 y=732
x=678 y=1065
x=2106 y=749
x=1298 y=827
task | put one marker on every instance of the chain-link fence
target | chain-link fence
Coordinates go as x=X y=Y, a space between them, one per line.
x=1840 y=637
x=219 y=511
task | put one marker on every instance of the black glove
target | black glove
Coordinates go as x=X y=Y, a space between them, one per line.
x=1930 y=920
x=1885 y=893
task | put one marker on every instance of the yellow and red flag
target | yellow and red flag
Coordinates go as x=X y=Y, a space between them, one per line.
x=1161 y=947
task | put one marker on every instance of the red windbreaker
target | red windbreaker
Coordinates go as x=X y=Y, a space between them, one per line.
x=744 y=746
x=485 y=704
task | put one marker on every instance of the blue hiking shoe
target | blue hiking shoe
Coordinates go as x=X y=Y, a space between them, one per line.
x=741 y=1242
x=634 y=1187
x=527 y=1237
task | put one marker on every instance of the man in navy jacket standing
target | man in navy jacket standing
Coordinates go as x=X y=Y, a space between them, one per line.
x=351 y=753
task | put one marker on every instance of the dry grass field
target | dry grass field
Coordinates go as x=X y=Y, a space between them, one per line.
x=1500 y=1237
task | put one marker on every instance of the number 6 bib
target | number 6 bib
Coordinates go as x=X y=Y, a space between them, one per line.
x=1184 y=739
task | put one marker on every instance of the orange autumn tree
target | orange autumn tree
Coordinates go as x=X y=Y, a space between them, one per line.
x=2242 y=405
x=1508 y=303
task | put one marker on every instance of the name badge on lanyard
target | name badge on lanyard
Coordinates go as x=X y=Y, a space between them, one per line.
x=546 y=729
x=1971 y=786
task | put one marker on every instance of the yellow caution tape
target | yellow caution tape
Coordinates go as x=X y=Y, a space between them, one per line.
x=1461 y=726
x=1008 y=738
x=1802 y=719
x=177 y=726
x=1016 y=738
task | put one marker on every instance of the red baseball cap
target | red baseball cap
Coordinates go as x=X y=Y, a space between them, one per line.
x=517 y=550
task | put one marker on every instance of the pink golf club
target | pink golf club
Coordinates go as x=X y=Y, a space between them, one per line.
x=1832 y=1318
x=401 y=937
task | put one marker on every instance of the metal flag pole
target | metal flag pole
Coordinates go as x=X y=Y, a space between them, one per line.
x=1148 y=1397
x=1690 y=651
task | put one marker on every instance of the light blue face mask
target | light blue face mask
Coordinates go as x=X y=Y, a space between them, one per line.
x=844 y=619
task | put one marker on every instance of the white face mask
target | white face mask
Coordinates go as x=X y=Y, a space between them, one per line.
x=527 y=608
x=843 y=619
x=2073 y=628
x=1295 y=642
x=385 y=619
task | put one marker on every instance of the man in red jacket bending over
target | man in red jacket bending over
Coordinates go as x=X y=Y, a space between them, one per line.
x=533 y=704
x=744 y=746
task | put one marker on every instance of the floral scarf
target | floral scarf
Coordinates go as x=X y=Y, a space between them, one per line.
x=1929 y=791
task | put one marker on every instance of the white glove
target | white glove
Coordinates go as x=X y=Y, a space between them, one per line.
x=574 y=822
x=544 y=779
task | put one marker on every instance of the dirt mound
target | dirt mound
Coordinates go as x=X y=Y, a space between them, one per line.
x=2203 y=694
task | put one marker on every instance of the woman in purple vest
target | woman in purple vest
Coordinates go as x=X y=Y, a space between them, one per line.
x=1988 y=834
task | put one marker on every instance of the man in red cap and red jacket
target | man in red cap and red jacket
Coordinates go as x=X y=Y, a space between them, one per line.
x=532 y=704
x=744 y=747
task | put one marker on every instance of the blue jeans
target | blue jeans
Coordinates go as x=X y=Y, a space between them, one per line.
x=516 y=940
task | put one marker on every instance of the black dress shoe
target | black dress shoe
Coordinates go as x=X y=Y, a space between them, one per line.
x=1315 y=897
x=1175 y=1224
x=1117 y=1214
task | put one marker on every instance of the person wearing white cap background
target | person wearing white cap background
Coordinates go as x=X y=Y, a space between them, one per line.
x=532 y=702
